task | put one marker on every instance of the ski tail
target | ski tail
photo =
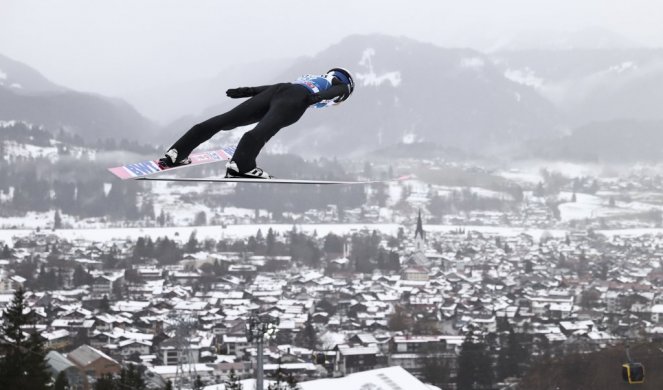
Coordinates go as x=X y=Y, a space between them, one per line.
x=150 y=167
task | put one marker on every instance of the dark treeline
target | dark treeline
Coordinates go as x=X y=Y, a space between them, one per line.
x=57 y=270
x=467 y=200
x=81 y=187
x=75 y=188
x=596 y=370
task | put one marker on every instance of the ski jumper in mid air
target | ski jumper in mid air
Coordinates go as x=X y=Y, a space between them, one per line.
x=273 y=107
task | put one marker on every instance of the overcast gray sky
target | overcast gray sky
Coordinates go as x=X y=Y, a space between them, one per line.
x=110 y=46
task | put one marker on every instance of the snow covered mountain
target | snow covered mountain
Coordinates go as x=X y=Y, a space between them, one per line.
x=26 y=95
x=408 y=91
x=592 y=85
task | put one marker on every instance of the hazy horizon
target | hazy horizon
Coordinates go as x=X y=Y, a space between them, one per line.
x=120 y=47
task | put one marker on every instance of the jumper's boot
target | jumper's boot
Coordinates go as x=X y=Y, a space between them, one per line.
x=255 y=173
x=170 y=160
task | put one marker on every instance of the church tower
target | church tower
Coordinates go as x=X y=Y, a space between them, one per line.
x=420 y=236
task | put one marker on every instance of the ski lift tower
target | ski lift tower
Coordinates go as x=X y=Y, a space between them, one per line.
x=257 y=331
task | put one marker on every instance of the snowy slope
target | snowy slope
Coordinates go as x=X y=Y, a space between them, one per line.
x=408 y=91
x=591 y=84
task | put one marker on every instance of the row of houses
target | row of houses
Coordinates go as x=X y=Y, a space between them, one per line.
x=573 y=288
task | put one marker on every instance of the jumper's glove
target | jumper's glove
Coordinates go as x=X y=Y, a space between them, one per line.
x=241 y=92
x=314 y=98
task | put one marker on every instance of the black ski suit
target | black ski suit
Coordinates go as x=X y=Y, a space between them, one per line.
x=272 y=106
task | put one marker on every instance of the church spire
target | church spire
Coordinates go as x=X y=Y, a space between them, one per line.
x=419 y=233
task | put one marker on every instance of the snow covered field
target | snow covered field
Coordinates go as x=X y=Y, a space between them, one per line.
x=182 y=234
x=592 y=206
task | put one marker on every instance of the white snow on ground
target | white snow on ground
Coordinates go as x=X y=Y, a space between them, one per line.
x=631 y=232
x=31 y=220
x=374 y=80
x=525 y=77
x=446 y=191
x=371 y=78
x=521 y=177
x=166 y=198
x=242 y=231
x=182 y=234
x=42 y=220
x=329 y=340
x=4 y=124
x=7 y=196
x=585 y=206
x=14 y=149
x=623 y=67
x=568 y=169
x=592 y=206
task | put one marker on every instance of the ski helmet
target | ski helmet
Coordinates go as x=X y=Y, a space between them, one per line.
x=345 y=77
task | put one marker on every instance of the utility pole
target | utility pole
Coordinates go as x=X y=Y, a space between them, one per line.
x=258 y=330
x=184 y=327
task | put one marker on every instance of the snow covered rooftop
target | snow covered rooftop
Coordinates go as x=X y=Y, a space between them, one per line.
x=390 y=378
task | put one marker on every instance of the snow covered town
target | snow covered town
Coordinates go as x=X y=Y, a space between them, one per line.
x=182 y=208
x=396 y=308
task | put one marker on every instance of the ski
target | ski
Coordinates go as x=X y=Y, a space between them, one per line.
x=270 y=181
x=150 y=167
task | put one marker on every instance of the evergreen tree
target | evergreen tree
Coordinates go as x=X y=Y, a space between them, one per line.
x=435 y=371
x=47 y=280
x=474 y=365
x=149 y=247
x=167 y=251
x=198 y=383
x=233 y=383
x=81 y=276
x=104 y=305
x=270 y=242
x=283 y=380
x=23 y=365
x=399 y=320
x=308 y=337
x=139 y=249
x=162 y=218
x=169 y=386
x=507 y=359
x=192 y=244
x=6 y=252
x=201 y=219
x=291 y=382
x=466 y=365
x=61 y=382
x=57 y=220
x=106 y=382
x=131 y=378
x=333 y=244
